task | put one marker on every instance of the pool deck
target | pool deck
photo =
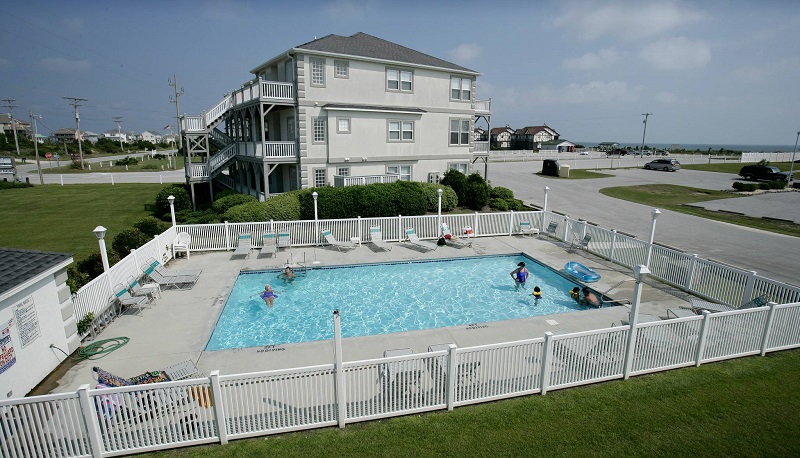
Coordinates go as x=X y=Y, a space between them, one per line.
x=178 y=325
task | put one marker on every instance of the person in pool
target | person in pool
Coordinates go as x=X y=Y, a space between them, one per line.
x=287 y=274
x=537 y=293
x=520 y=275
x=268 y=295
x=575 y=294
x=590 y=298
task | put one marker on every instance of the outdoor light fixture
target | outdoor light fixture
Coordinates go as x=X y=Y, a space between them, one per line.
x=100 y=232
x=171 y=200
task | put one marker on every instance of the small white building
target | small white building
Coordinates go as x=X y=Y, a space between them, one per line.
x=37 y=320
x=151 y=136
x=559 y=146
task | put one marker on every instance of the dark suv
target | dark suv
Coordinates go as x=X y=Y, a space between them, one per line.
x=617 y=152
x=763 y=172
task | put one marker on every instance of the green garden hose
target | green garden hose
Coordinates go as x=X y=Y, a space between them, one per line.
x=100 y=348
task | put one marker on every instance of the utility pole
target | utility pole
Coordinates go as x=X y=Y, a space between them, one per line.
x=118 y=120
x=174 y=83
x=76 y=103
x=646 y=115
x=13 y=121
x=36 y=146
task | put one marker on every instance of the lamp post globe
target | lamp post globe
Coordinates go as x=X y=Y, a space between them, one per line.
x=100 y=233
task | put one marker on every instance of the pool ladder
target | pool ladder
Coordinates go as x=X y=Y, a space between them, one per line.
x=291 y=263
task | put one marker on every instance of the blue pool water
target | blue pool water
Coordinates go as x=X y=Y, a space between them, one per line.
x=385 y=298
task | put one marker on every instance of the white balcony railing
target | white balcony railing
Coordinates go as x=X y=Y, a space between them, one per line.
x=483 y=106
x=480 y=147
x=263 y=90
x=341 y=181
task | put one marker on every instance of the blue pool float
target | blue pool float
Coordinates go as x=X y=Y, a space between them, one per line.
x=581 y=272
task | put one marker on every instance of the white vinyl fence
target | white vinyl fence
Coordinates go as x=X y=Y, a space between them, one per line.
x=135 y=419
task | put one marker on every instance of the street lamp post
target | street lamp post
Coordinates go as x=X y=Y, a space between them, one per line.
x=100 y=232
x=171 y=200
x=654 y=214
x=640 y=274
x=315 y=195
x=791 y=166
x=546 y=188
x=439 y=191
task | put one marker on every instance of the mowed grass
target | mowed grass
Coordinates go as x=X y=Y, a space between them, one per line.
x=674 y=197
x=742 y=407
x=62 y=218
x=734 y=167
x=150 y=165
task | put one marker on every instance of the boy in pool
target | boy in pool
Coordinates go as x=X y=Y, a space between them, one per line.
x=268 y=295
x=575 y=294
x=520 y=276
x=537 y=293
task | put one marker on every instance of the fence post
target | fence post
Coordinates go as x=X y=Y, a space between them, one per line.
x=219 y=412
x=475 y=226
x=585 y=228
x=511 y=222
x=90 y=420
x=228 y=237
x=768 y=328
x=160 y=254
x=566 y=223
x=359 y=229
x=702 y=342
x=338 y=376
x=613 y=243
x=452 y=364
x=547 y=356
x=748 y=288
x=135 y=261
x=400 y=228
x=690 y=276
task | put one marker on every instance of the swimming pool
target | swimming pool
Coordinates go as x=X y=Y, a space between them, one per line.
x=385 y=298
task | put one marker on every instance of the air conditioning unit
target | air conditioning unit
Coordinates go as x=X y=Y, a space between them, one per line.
x=434 y=177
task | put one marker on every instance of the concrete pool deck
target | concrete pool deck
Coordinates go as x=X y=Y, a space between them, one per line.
x=179 y=324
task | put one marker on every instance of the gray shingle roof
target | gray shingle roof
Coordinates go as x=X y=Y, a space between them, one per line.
x=18 y=266
x=363 y=45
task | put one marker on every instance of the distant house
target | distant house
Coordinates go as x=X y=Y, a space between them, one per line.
x=116 y=136
x=8 y=126
x=501 y=137
x=37 y=318
x=607 y=146
x=65 y=135
x=151 y=136
x=531 y=137
x=559 y=146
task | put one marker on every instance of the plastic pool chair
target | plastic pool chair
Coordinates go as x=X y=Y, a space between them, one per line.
x=284 y=240
x=244 y=246
x=339 y=245
x=452 y=239
x=376 y=237
x=181 y=243
x=269 y=243
x=411 y=234
x=525 y=228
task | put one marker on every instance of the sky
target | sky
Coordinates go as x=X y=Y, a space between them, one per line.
x=710 y=72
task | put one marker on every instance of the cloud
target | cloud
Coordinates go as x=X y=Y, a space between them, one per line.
x=667 y=98
x=4 y=62
x=74 y=24
x=350 y=9
x=590 y=61
x=678 y=53
x=465 y=52
x=59 y=64
x=766 y=70
x=594 y=92
x=627 y=20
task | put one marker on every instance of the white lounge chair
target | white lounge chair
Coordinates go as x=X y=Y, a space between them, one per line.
x=551 y=229
x=175 y=281
x=339 y=245
x=376 y=237
x=583 y=243
x=244 y=246
x=181 y=243
x=525 y=228
x=148 y=290
x=411 y=234
x=194 y=273
x=698 y=305
x=269 y=243
x=452 y=239
x=284 y=240
x=124 y=298
x=182 y=370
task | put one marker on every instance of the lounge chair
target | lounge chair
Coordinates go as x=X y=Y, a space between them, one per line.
x=466 y=371
x=525 y=228
x=402 y=377
x=376 y=237
x=244 y=246
x=583 y=243
x=269 y=243
x=124 y=298
x=174 y=272
x=182 y=370
x=411 y=234
x=452 y=239
x=552 y=228
x=181 y=243
x=339 y=245
x=148 y=290
x=174 y=281
x=698 y=305
x=284 y=240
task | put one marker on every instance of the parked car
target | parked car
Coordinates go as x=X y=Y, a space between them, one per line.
x=584 y=153
x=667 y=165
x=617 y=152
x=763 y=172
x=662 y=153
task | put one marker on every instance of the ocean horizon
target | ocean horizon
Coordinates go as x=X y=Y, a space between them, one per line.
x=704 y=146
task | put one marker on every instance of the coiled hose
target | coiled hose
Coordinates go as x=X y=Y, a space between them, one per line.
x=97 y=349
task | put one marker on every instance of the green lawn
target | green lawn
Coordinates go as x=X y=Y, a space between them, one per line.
x=150 y=165
x=674 y=197
x=61 y=218
x=743 y=407
x=733 y=167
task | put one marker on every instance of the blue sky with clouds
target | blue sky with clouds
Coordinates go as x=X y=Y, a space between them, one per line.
x=715 y=72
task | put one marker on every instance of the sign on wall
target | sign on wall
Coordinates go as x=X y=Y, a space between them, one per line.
x=27 y=321
x=7 y=357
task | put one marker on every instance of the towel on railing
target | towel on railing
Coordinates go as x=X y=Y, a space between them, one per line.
x=107 y=378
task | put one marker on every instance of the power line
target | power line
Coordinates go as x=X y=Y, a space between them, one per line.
x=76 y=103
x=174 y=83
x=14 y=124
x=118 y=120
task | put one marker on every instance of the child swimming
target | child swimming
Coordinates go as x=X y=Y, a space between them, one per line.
x=537 y=293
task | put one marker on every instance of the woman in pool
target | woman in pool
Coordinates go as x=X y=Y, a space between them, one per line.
x=287 y=275
x=520 y=275
x=268 y=295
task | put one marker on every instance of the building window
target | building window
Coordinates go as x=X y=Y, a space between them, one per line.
x=319 y=130
x=459 y=131
x=318 y=72
x=343 y=171
x=460 y=88
x=403 y=170
x=341 y=69
x=343 y=125
x=399 y=80
x=319 y=178
x=401 y=131
x=462 y=167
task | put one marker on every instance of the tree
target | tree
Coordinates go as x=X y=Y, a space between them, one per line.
x=477 y=192
x=458 y=182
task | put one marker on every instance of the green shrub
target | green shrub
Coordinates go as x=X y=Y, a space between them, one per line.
x=498 y=204
x=515 y=204
x=222 y=204
x=500 y=192
x=207 y=216
x=244 y=213
x=14 y=184
x=127 y=160
x=766 y=186
x=159 y=156
x=151 y=226
x=745 y=187
x=182 y=200
x=92 y=265
x=477 y=192
x=283 y=207
x=225 y=193
x=150 y=167
x=75 y=278
x=778 y=184
x=458 y=182
x=127 y=240
x=76 y=165
x=85 y=323
x=449 y=197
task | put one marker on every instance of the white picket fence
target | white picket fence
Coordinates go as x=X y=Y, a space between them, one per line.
x=135 y=419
